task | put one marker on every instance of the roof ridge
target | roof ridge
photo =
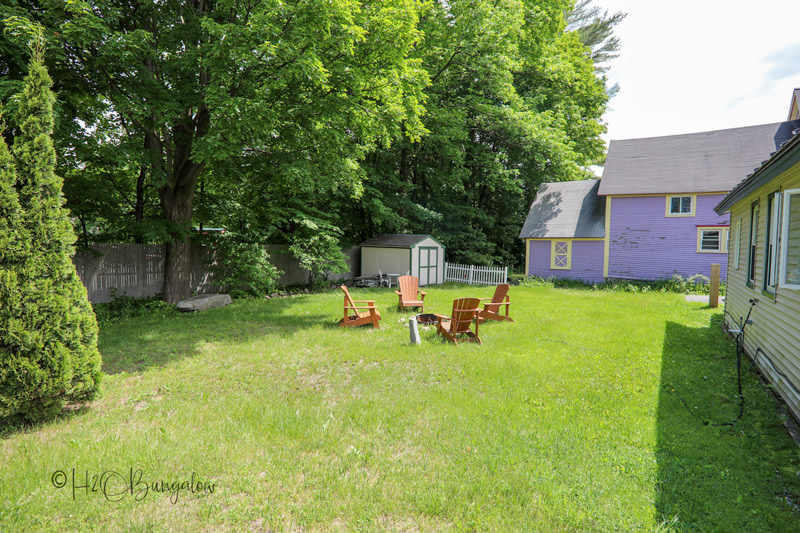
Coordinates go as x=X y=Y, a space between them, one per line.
x=722 y=130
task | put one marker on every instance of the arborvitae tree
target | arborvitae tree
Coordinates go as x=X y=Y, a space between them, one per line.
x=48 y=331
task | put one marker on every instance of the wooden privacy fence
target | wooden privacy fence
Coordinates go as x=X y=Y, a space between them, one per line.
x=137 y=270
x=475 y=275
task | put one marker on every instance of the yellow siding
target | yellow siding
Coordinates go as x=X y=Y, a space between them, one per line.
x=776 y=323
x=607 y=237
x=527 y=257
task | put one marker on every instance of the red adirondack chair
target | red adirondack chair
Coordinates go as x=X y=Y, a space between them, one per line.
x=354 y=317
x=491 y=309
x=409 y=293
x=465 y=310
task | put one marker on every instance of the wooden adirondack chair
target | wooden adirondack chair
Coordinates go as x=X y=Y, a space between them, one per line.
x=465 y=310
x=353 y=317
x=409 y=293
x=491 y=309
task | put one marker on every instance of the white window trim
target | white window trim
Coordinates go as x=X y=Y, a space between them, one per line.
x=669 y=213
x=752 y=242
x=737 y=246
x=772 y=252
x=723 y=239
x=785 y=231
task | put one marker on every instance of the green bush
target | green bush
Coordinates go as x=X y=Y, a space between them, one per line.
x=123 y=307
x=697 y=284
x=48 y=331
x=319 y=254
x=516 y=279
x=242 y=263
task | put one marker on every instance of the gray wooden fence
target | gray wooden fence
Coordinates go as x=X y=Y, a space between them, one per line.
x=137 y=270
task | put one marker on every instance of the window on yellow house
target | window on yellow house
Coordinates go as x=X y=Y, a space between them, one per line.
x=752 y=244
x=771 y=249
x=790 y=254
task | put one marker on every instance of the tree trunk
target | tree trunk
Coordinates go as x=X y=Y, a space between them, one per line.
x=177 y=207
x=405 y=164
x=138 y=208
x=151 y=148
x=176 y=271
x=176 y=203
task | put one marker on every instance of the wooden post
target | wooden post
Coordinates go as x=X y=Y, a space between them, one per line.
x=713 y=292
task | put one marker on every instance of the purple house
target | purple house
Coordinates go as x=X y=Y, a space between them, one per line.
x=651 y=216
x=565 y=231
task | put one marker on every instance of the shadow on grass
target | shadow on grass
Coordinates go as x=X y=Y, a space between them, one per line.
x=138 y=344
x=14 y=425
x=157 y=340
x=716 y=472
x=141 y=343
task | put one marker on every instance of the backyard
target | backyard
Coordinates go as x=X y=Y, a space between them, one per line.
x=593 y=411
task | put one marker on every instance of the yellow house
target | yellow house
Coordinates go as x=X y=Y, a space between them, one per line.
x=764 y=265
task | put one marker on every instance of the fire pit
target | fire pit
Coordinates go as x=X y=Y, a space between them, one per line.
x=426 y=318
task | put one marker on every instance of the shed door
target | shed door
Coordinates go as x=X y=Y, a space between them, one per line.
x=428 y=265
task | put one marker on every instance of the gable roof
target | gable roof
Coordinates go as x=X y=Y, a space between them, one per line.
x=787 y=156
x=395 y=240
x=711 y=161
x=567 y=209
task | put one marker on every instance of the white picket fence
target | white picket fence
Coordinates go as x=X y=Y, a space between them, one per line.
x=475 y=275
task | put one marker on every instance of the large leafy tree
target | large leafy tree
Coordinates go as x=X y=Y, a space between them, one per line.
x=48 y=332
x=305 y=117
x=514 y=100
x=298 y=89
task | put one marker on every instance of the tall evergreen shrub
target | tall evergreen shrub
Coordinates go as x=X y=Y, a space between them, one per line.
x=48 y=331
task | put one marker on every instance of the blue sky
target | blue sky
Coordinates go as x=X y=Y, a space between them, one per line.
x=688 y=66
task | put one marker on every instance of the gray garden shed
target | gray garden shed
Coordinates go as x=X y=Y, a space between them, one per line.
x=418 y=255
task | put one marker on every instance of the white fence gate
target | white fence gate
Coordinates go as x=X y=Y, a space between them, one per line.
x=475 y=275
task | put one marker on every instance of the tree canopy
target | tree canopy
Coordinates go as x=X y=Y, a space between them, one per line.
x=299 y=118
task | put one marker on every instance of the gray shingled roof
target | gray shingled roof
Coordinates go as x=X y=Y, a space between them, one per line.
x=567 y=209
x=771 y=168
x=711 y=161
x=395 y=240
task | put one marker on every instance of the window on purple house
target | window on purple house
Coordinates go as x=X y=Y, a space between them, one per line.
x=680 y=206
x=712 y=239
x=561 y=255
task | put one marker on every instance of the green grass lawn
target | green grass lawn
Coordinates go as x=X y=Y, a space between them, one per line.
x=594 y=411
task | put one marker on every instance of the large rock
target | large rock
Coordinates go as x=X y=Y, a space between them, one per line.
x=202 y=302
